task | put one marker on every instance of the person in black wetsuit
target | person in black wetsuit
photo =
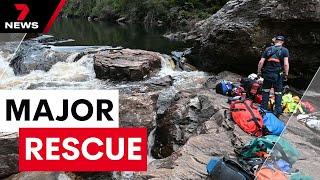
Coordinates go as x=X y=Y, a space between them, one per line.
x=274 y=68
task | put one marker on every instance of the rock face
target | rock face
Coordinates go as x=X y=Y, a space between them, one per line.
x=126 y=64
x=138 y=110
x=8 y=156
x=39 y=176
x=138 y=106
x=239 y=32
x=181 y=114
x=182 y=118
x=215 y=138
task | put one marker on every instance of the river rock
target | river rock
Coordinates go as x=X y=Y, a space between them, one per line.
x=165 y=81
x=213 y=81
x=138 y=110
x=126 y=64
x=8 y=145
x=190 y=161
x=237 y=34
x=166 y=97
x=91 y=175
x=44 y=38
x=180 y=115
x=34 y=56
x=194 y=126
x=8 y=165
x=40 y=176
x=8 y=156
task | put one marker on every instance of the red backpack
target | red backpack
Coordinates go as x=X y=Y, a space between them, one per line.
x=308 y=106
x=266 y=173
x=247 y=116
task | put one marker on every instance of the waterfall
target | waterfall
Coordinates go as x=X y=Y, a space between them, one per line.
x=62 y=75
x=151 y=138
x=182 y=79
x=130 y=175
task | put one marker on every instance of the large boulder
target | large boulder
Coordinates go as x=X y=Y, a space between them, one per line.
x=126 y=64
x=138 y=103
x=181 y=112
x=238 y=33
x=180 y=115
x=33 y=55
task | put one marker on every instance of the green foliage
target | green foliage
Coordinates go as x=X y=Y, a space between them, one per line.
x=146 y=11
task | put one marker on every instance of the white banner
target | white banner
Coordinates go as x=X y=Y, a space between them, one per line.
x=58 y=109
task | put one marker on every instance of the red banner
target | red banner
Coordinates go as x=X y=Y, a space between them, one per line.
x=82 y=149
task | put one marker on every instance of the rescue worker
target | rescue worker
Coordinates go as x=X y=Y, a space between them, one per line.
x=274 y=68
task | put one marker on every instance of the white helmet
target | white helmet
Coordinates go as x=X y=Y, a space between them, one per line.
x=260 y=80
x=253 y=76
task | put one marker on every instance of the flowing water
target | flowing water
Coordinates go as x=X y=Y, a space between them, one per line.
x=77 y=75
x=151 y=138
x=80 y=74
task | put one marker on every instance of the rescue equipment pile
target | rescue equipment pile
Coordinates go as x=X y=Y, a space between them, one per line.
x=268 y=156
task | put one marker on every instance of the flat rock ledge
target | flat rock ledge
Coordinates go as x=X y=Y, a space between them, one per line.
x=126 y=64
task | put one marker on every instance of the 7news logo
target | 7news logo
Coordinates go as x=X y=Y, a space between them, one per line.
x=20 y=23
x=29 y=16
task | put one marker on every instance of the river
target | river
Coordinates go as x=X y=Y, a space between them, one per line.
x=80 y=74
x=134 y=36
x=68 y=74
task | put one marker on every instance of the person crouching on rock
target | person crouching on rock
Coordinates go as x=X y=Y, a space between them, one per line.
x=274 y=68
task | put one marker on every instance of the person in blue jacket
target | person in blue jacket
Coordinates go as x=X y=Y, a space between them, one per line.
x=274 y=68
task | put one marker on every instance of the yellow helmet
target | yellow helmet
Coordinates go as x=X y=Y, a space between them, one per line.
x=296 y=99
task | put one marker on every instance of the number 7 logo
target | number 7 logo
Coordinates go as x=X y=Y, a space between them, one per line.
x=24 y=11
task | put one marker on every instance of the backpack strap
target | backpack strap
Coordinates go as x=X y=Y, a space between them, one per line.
x=254 y=118
x=253 y=164
x=270 y=59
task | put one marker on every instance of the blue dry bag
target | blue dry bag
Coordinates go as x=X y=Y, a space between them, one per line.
x=273 y=124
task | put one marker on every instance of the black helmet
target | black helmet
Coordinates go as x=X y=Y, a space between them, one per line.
x=280 y=38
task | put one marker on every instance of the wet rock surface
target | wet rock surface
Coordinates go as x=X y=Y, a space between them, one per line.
x=241 y=30
x=181 y=119
x=138 y=110
x=39 y=54
x=190 y=160
x=8 y=156
x=34 y=56
x=126 y=64
x=40 y=176
x=8 y=164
